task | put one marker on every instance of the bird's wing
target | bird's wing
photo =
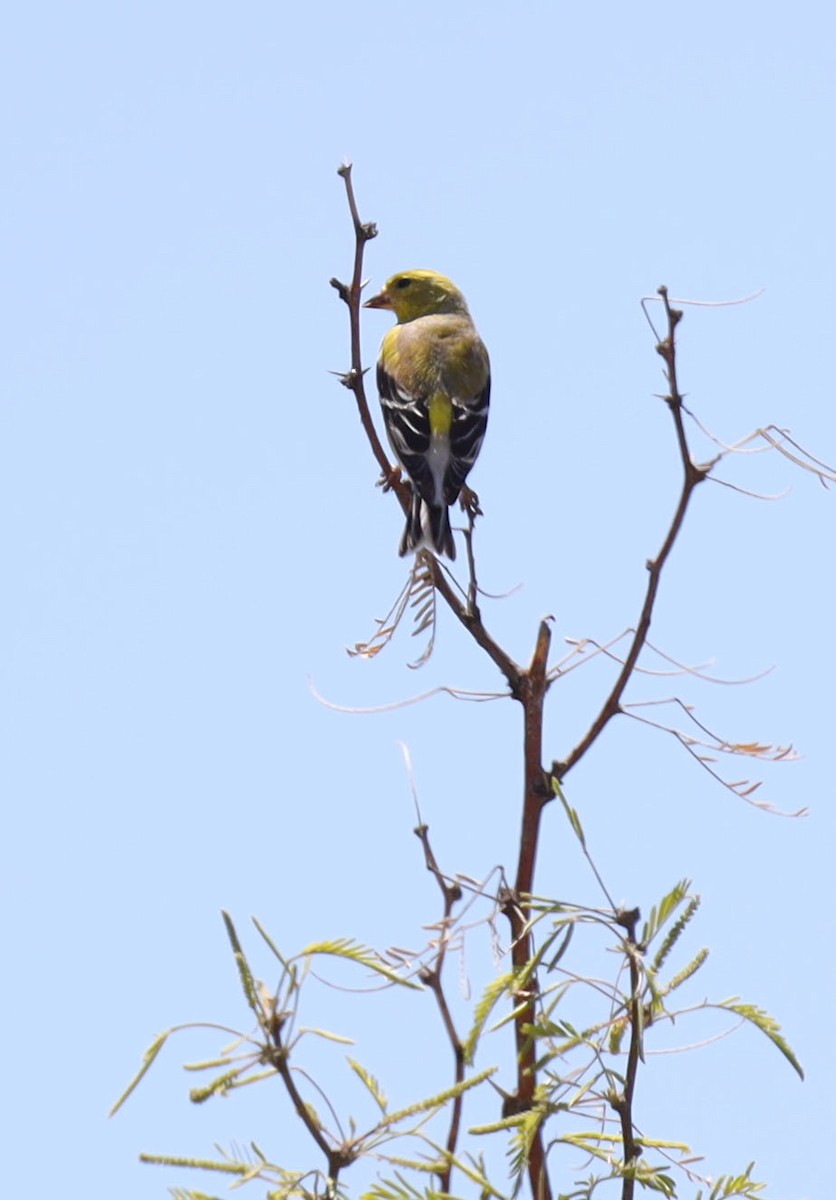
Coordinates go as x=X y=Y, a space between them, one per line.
x=470 y=420
x=407 y=420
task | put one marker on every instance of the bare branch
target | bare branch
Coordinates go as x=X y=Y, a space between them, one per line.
x=693 y=475
x=432 y=976
x=578 y=657
x=646 y=301
x=443 y=690
x=353 y=379
x=776 y=439
x=744 y=789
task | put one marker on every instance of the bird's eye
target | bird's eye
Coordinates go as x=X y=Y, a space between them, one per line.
x=403 y=282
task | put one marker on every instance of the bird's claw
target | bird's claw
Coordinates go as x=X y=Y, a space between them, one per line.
x=390 y=480
x=469 y=501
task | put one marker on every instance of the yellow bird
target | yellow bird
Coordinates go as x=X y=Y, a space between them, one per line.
x=434 y=380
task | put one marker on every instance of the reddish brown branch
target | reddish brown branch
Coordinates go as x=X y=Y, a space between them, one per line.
x=531 y=694
x=337 y=1157
x=536 y=792
x=353 y=378
x=471 y=619
x=692 y=476
x=431 y=976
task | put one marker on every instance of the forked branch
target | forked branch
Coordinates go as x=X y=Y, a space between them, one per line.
x=432 y=976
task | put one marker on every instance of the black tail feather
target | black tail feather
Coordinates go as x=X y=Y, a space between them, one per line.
x=427 y=525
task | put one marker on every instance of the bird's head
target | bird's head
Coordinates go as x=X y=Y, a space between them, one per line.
x=411 y=294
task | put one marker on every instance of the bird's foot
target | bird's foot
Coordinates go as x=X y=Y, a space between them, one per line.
x=390 y=480
x=469 y=501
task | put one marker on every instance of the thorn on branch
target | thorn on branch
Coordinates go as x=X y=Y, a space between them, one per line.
x=349 y=378
x=513 y=1105
x=544 y=788
x=341 y=288
x=508 y=903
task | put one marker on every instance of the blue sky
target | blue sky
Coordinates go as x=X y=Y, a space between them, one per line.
x=191 y=530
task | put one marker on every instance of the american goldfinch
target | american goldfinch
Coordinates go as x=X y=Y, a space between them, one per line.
x=434 y=380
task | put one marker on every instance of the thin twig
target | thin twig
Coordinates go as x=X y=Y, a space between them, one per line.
x=353 y=378
x=432 y=976
x=622 y=1102
x=473 y=586
x=692 y=476
x=337 y=1157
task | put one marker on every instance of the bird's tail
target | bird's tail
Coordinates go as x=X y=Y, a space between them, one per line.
x=427 y=525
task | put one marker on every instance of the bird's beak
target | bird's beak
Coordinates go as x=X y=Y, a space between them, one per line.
x=381 y=300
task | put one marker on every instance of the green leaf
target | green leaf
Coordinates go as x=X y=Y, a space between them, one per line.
x=649 y=1177
x=273 y=947
x=190 y=1194
x=686 y=973
x=363 y=955
x=667 y=905
x=248 y=982
x=502 y=1123
x=438 y=1100
x=571 y=813
x=495 y=990
x=427 y=1166
x=674 y=933
x=327 y=1035
x=616 y=1036
x=523 y=1139
x=666 y=1144
x=377 y=1093
x=222 y=1084
x=735 y=1185
x=147 y=1059
x=768 y=1025
x=473 y=1168
x=196 y=1164
x=562 y=948
x=392 y=1189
